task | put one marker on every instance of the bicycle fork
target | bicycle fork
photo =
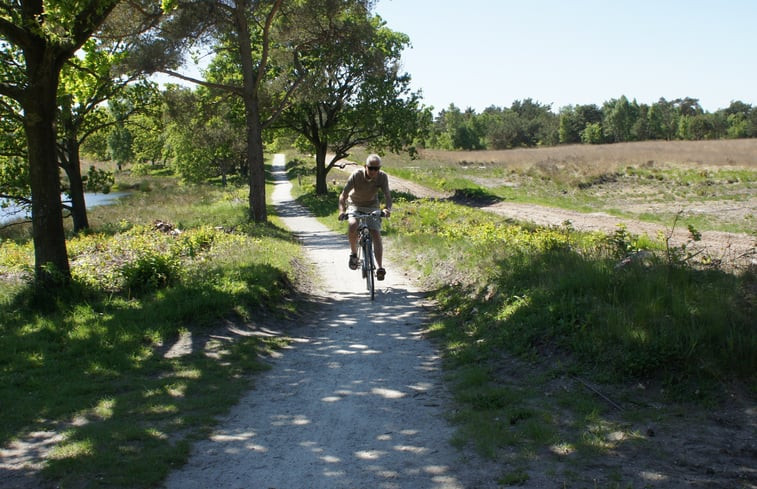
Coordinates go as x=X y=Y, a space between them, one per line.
x=365 y=250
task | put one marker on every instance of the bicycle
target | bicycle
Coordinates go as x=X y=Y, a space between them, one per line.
x=366 y=260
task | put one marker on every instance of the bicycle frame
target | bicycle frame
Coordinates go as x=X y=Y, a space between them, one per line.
x=365 y=249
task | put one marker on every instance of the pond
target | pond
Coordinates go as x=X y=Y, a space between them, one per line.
x=14 y=213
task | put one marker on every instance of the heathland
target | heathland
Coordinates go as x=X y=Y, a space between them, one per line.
x=573 y=352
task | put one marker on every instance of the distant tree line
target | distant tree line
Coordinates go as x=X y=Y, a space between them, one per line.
x=528 y=124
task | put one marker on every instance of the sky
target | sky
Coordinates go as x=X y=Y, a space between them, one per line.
x=479 y=53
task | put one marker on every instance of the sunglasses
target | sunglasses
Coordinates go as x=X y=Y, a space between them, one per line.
x=374 y=168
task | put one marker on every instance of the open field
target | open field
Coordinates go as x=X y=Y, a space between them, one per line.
x=711 y=185
x=658 y=188
x=602 y=157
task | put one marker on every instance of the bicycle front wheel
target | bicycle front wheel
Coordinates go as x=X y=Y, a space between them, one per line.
x=369 y=268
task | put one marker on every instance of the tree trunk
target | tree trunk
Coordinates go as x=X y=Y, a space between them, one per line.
x=76 y=190
x=258 y=211
x=51 y=259
x=71 y=163
x=321 y=187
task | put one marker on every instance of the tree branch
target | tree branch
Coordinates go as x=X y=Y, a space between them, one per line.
x=11 y=91
x=219 y=86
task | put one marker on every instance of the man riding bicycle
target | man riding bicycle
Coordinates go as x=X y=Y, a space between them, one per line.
x=360 y=194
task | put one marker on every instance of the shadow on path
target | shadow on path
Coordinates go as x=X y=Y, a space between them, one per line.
x=355 y=401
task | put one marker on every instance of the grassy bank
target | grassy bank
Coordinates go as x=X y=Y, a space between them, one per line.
x=624 y=307
x=560 y=344
x=137 y=360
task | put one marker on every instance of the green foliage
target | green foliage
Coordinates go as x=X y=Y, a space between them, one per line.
x=368 y=103
x=527 y=123
x=592 y=134
x=141 y=169
x=150 y=272
x=97 y=351
x=119 y=146
x=203 y=133
x=15 y=256
x=14 y=176
x=528 y=289
x=573 y=121
x=99 y=180
x=619 y=118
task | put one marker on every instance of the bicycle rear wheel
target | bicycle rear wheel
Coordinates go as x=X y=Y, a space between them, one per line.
x=370 y=282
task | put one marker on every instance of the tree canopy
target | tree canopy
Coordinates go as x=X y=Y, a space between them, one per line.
x=36 y=39
x=354 y=92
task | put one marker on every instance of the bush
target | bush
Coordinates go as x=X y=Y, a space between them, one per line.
x=150 y=272
x=140 y=169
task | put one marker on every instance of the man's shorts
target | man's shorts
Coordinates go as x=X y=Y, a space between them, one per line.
x=373 y=222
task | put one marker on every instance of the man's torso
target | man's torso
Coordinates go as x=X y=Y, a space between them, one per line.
x=364 y=192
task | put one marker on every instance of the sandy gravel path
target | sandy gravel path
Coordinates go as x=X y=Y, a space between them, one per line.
x=357 y=401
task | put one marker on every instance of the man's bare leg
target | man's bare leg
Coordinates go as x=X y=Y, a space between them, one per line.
x=378 y=247
x=352 y=235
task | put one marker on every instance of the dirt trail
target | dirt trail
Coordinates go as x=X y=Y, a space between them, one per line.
x=357 y=401
x=730 y=248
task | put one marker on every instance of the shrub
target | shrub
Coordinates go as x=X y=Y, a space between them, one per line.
x=140 y=169
x=150 y=272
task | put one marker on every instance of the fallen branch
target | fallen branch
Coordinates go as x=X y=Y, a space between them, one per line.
x=594 y=390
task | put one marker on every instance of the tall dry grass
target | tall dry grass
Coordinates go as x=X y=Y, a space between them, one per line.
x=604 y=157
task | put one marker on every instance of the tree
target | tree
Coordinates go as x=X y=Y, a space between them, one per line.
x=87 y=80
x=620 y=117
x=36 y=39
x=203 y=133
x=641 y=130
x=573 y=121
x=663 y=120
x=243 y=31
x=737 y=115
x=688 y=106
x=537 y=124
x=501 y=128
x=570 y=126
x=445 y=127
x=592 y=133
x=148 y=130
x=353 y=93
x=14 y=171
x=119 y=145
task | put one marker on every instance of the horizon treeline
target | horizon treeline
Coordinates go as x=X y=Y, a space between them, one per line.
x=528 y=123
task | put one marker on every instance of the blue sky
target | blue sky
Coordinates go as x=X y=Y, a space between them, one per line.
x=478 y=53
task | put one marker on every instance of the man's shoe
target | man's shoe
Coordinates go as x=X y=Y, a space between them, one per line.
x=380 y=274
x=353 y=262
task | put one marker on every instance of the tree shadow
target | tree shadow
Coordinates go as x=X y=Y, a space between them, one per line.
x=134 y=383
x=356 y=400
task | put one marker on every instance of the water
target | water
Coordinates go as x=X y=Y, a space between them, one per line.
x=15 y=213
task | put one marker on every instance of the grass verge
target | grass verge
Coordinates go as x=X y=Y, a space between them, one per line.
x=135 y=361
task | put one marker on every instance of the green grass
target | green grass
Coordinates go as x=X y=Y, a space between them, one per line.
x=531 y=288
x=522 y=313
x=525 y=312
x=90 y=361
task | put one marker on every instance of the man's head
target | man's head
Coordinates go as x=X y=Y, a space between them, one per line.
x=372 y=165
